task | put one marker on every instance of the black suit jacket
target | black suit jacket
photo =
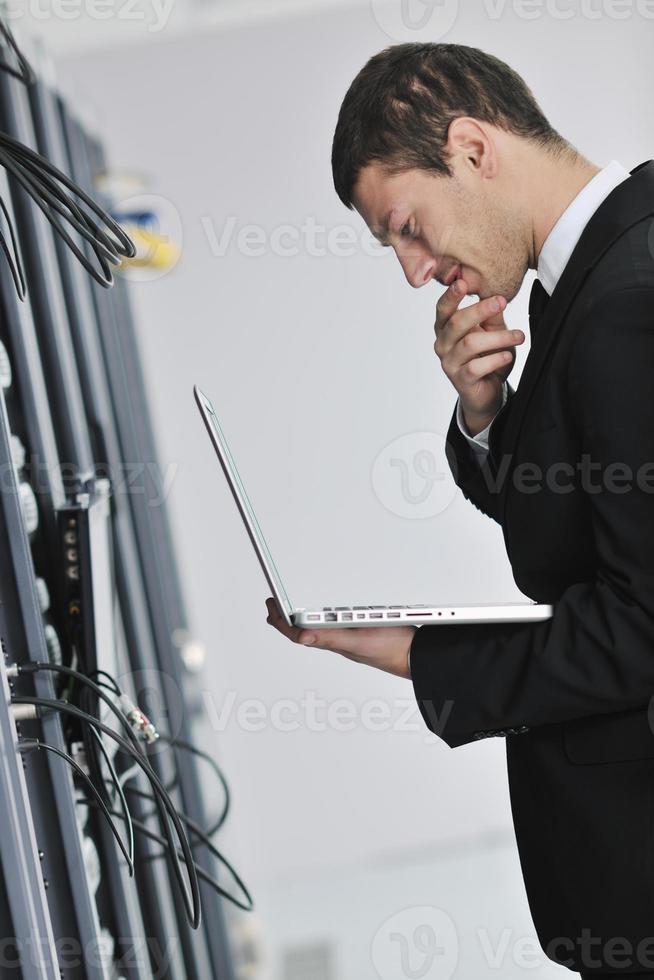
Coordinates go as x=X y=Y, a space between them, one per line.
x=570 y=479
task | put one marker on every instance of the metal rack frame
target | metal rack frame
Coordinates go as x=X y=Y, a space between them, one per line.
x=78 y=397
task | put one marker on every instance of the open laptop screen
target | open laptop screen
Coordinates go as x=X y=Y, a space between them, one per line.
x=242 y=500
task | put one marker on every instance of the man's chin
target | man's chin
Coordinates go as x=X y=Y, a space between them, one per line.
x=508 y=293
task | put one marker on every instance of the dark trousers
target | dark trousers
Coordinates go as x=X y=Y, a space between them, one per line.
x=620 y=974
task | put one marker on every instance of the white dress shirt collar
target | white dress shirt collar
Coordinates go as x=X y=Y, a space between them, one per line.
x=559 y=244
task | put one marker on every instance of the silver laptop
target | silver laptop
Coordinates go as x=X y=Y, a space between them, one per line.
x=343 y=616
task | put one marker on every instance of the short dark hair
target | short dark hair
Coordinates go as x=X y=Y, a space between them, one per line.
x=398 y=109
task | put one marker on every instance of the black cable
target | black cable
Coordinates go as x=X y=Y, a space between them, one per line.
x=13 y=260
x=89 y=745
x=204 y=875
x=25 y=73
x=125 y=246
x=32 y=188
x=121 y=794
x=97 y=688
x=68 y=209
x=214 y=827
x=192 y=902
x=189 y=747
x=34 y=667
x=202 y=836
x=88 y=702
x=62 y=201
x=164 y=803
x=103 y=673
x=32 y=744
x=174 y=742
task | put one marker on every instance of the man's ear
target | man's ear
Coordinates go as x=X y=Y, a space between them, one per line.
x=469 y=141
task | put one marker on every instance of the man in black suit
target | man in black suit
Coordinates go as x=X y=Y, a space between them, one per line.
x=446 y=155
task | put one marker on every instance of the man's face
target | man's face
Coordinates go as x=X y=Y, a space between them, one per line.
x=444 y=228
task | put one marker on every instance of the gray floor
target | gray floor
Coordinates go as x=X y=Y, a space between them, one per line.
x=457 y=914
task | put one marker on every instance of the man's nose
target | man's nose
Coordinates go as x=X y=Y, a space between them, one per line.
x=418 y=268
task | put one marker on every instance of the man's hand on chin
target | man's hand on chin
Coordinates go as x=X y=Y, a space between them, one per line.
x=384 y=647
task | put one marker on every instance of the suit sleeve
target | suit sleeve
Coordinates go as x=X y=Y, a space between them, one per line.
x=596 y=654
x=471 y=470
x=479 y=442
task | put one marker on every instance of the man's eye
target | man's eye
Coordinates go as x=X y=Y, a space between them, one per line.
x=405 y=230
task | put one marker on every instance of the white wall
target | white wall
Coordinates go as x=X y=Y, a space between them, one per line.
x=315 y=365
x=68 y=27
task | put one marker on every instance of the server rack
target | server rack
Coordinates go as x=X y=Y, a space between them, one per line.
x=77 y=403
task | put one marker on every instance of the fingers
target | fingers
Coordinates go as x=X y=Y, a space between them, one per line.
x=447 y=305
x=324 y=639
x=479 y=367
x=467 y=318
x=479 y=353
x=475 y=345
x=294 y=633
x=449 y=301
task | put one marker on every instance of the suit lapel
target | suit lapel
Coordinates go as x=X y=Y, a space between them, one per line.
x=626 y=205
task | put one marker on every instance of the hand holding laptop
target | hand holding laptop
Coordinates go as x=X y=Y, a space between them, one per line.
x=386 y=647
